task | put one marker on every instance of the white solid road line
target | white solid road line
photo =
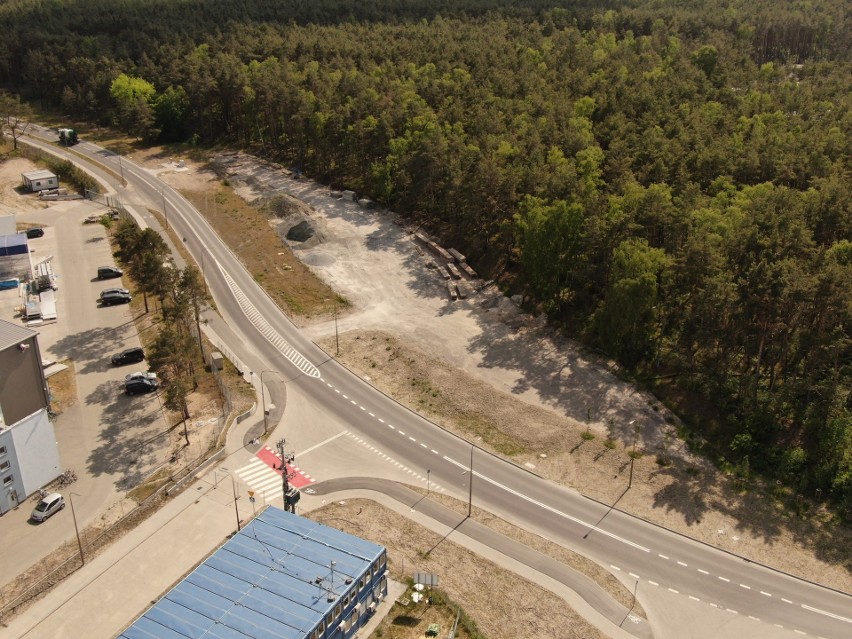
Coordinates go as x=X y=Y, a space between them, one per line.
x=827 y=614
x=322 y=443
x=548 y=508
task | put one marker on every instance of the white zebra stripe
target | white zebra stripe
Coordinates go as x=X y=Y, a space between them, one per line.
x=296 y=358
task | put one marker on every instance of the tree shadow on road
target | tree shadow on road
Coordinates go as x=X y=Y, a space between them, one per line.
x=90 y=349
x=132 y=439
x=694 y=494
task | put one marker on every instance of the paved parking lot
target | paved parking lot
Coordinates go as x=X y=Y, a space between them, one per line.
x=109 y=439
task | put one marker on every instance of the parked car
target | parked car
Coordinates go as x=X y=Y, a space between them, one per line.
x=140 y=385
x=107 y=272
x=115 y=296
x=49 y=505
x=114 y=291
x=33 y=233
x=128 y=356
x=140 y=375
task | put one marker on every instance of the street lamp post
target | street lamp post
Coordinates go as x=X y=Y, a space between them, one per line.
x=76 y=530
x=336 y=334
x=428 y=480
x=632 y=452
x=165 y=213
x=234 y=488
x=470 y=485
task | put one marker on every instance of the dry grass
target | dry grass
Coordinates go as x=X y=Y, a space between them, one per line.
x=250 y=234
x=534 y=611
x=63 y=388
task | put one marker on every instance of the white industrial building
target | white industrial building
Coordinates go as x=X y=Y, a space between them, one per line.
x=29 y=456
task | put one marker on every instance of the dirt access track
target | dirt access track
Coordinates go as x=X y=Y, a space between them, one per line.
x=484 y=369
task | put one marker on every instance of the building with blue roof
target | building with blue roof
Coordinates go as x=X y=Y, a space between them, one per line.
x=281 y=577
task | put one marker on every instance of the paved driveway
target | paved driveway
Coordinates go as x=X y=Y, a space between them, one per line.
x=109 y=439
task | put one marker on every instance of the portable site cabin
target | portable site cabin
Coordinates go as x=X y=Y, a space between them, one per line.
x=35 y=181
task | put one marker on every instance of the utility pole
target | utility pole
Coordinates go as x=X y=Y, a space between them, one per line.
x=291 y=495
x=470 y=485
x=632 y=452
x=165 y=213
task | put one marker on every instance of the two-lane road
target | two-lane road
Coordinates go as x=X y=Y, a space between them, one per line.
x=633 y=549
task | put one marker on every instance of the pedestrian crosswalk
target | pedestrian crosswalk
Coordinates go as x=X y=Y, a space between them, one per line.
x=265 y=481
x=298 y=360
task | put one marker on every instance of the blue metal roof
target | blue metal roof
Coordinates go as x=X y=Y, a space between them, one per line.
x=269 y=581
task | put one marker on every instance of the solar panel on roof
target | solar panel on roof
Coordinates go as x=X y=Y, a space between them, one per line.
x=261 y=584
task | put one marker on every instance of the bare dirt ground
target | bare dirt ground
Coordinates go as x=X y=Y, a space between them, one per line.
x=12 y=196
x=482 y=368
x=530 y=613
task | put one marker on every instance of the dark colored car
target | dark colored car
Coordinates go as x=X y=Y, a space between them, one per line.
x=140 y=385
x=128 y=356
x=107 y=272
x=37 y=232
x=108 y=298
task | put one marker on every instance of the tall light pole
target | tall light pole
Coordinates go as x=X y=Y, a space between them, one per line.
x=632 y=452
x=165 y=213
x=336 y=334
x=234 y=488
x=428 y=480
x=121 y=168
x=76 y=530
x=470 y=485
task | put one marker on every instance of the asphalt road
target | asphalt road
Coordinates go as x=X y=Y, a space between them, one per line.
x=635 y=551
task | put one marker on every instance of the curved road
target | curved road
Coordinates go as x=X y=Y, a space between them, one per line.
x=633 y=549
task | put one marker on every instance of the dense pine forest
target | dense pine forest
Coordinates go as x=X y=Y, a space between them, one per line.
x=669 y=180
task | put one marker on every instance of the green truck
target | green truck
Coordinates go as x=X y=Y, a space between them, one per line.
x=68 y=137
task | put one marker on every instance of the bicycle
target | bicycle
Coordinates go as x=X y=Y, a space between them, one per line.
x=67 y=478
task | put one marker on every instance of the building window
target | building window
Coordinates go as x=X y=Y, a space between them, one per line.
x=7 y=481
x=337 y=610
x=382 y=560
x=2 y=450
x=329 y=618
x=321 y=628
x=4 y=466
x=361 y=584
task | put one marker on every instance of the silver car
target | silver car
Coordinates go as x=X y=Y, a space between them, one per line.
x=50 y=504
